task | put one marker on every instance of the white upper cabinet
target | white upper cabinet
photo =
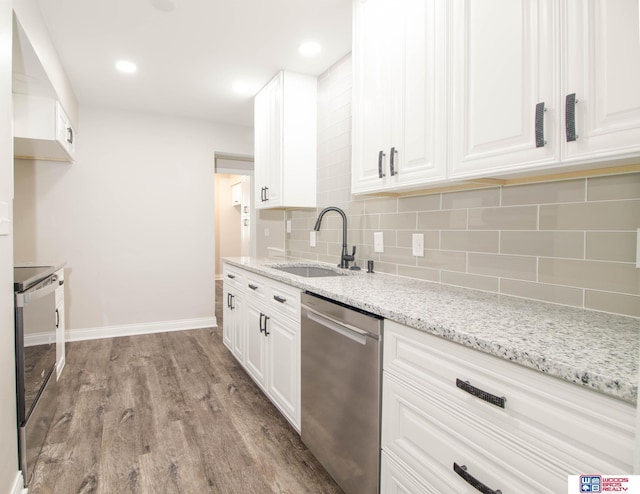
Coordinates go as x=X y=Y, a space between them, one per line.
x=504 y=69
x=602 y=58
x=448 y=91
x=399 y=88
x=41 y=129
x=285 y=142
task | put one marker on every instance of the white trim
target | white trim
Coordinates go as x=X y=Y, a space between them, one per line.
x=138 y=329
x=18 y=484
x=59 y=367
x=36 y=339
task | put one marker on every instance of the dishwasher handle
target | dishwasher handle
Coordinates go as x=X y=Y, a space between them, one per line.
x=351 y=332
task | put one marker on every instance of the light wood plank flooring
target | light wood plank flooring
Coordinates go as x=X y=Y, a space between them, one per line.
x=169 y=413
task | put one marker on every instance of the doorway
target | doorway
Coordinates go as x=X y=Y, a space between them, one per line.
x=234 y=208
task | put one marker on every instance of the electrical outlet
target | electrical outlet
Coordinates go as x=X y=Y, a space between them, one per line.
x=266 y=232
x=312 y=238
x=378 y=242
x=418 y=244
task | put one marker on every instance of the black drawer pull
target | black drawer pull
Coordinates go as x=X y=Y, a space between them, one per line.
x=472 y=481
x=232 y=276
x=570 y=117
x=380 y=156
x=279 y=299
x=253 y=287
x=540 y=109
x=392 y=161
x=498 y=401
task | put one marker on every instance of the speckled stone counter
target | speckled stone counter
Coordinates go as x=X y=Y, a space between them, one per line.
x=599 y=351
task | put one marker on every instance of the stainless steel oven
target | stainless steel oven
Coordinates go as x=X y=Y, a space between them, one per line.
x=35 y=331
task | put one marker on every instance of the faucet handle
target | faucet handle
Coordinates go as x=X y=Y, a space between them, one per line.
x=350 y=257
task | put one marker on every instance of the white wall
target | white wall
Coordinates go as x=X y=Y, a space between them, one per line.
x=133 y=217
x=8 y=428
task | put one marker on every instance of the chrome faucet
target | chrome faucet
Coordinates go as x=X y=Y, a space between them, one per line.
x=345 y=257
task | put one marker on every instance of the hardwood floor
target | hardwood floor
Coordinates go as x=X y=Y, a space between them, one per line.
x=169 y=413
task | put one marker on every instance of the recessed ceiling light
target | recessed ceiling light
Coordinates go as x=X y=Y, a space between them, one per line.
x=310 y=48
x=126 y=66
x=243 y=88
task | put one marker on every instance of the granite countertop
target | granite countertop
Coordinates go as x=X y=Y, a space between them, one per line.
x=596 y=350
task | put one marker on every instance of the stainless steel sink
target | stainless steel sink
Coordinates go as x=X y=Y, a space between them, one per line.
x=308 y=271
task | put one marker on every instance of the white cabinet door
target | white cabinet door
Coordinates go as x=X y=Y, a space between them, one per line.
x=285 y=116
x=60 y=324
x=603 y=71
x=233 y=331
x=503 y=65
x=371 y=113
x=255 y=357
x=399 y=91
x=283 y=350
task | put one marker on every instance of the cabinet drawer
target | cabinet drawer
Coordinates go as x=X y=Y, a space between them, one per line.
x=233 y=277
x=285 y=299
x=429 y=435
x=256 y=287
x=538 y=408
x=395 y=479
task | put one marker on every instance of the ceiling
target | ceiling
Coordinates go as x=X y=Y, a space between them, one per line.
x=189 y=53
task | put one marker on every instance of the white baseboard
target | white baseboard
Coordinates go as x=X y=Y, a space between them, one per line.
x=18 y=484
x=138 y=329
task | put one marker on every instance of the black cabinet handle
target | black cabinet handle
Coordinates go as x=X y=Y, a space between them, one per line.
x=461 y=470
x=69 y=135
x=229 y=300
x=266 y=194
x=392 y=161
x=260 y=323
x=266 y=318
x=279 y=299
x=498 y=401
x=57 y=318
x=570 y=117
x=231 y=276
x=253 y=287
x=233 y=305
x=540 y=109
x=263 y=194
x=380 y=172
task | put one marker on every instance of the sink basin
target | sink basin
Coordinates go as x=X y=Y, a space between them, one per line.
x=308 y=271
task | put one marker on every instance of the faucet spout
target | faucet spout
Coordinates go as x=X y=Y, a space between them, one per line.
x=345 y=257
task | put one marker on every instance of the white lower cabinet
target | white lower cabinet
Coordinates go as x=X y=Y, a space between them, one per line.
x=60 y=324
x=262 y=330
x=255 y=362
x=453 y=417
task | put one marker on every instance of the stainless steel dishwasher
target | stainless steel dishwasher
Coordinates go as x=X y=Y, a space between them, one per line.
x=341 y=391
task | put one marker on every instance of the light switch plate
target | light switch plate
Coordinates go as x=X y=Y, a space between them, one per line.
x=378 y=242
x=312 y=238
x=288 y=226
x=418 y=244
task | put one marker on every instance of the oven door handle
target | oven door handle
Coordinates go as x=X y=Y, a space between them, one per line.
x=30 y=296
x=345 y=330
